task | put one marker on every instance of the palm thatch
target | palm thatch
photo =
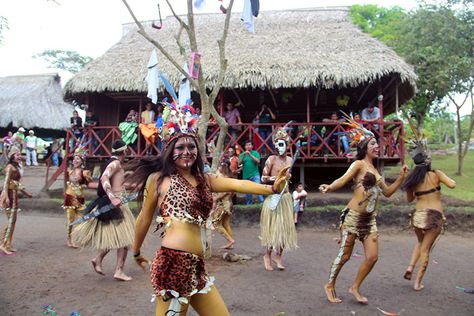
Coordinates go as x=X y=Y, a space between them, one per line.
x=295 y=48
x=33 y=101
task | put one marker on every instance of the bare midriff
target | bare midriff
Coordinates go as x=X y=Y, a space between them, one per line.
x=431 y=201
x=183 y=236
x=356 y=199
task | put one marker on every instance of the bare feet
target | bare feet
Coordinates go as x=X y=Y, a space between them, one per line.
x=331 y=294
x=267 y=262
x=5 y=250
x=229 y=245
x=70 y=244
x=277 y=260
x=11 y=249
x=97 y=267
x=359 y=297
x=418 y=287
x=120 y=276
x=408 y=273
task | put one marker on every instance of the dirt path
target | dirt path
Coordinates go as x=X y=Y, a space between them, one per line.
x=44 y=272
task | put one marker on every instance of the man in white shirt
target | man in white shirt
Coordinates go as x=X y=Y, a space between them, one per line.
x=299 y=201
x=371 y=114
x=31 y=145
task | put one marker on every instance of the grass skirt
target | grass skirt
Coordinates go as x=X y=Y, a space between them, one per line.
x=277 y=228
x=101 y=235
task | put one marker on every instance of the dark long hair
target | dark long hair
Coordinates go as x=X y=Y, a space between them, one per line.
x=418 y=174
x=369 y=179
x=142 y=168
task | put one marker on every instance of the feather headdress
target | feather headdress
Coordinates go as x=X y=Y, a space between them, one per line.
x=177 y=120
x=357 y=133
x=282 y=133
x=81 y=151
x=418 y=144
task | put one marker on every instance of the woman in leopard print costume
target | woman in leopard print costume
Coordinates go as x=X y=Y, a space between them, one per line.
x=174 y=184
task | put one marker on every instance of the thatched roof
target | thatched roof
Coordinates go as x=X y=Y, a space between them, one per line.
x=33 y=101
x=294 y=48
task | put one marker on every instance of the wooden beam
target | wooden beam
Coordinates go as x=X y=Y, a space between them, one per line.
x=363 y=93
x=238 y=98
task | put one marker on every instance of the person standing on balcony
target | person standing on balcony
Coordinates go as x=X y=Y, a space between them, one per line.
x=31 y=145
x=147 y=127
x=371 y=114
x=277 y=227
x=91 y=122
x=76 y=127
x=129 y=127
x=266 y=116
x=358 y=218
x=249 y=160
x=232 y=117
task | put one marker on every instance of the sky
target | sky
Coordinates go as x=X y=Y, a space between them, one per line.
x=90 y=27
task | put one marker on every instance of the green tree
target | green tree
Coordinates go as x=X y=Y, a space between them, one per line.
x=3 y=27
x=68 y=60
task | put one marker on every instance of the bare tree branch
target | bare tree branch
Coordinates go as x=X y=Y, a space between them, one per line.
x=184 y=25
x=142 y=32
x=222 y=58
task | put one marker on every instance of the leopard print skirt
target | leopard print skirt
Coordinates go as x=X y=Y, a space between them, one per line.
x=179 y=274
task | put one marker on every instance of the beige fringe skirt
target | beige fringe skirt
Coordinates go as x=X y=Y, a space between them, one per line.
x=277 y=227
x=114 y=234
x=428 y=219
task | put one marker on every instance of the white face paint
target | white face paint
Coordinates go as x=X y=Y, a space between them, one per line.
x=280 y=147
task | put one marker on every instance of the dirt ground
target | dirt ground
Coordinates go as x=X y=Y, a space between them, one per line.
x=45 y=271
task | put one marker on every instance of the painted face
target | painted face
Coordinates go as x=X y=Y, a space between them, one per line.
x=185 y=152
x=280 y=146
x=373 y=148
x=231 y=151
x=76 y=161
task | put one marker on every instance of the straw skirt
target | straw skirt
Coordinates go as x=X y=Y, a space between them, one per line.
x=100 y=235
x=277 y=227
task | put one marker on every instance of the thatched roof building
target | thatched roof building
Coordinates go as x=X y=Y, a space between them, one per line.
x=306 y=48
x=33 y=101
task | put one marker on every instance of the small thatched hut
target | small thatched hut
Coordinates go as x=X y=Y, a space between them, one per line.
x=301 y=63
x=33 y=102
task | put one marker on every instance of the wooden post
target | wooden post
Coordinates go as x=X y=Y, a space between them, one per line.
x=302 y=174
x=308 y=116
x=380 y=106
x=139 y=138
x=396 y=98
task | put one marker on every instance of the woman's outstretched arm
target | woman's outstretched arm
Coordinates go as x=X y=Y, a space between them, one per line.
x=447 y=181
x=221 y=184
x=388 y=190
x=354 y=168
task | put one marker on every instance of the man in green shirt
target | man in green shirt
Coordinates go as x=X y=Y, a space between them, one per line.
x=249 y=160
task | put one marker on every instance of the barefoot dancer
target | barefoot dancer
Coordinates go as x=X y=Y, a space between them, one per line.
x=9 y=198
x=222 y=208
x=358 y=218
x=174 y=184
x=78 y=178
x=423 y=184
x=277 y=227
x=114 y=229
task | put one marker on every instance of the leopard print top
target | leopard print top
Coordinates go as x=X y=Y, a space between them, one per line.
x=185 y=202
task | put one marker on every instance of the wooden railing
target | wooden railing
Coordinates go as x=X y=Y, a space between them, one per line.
x=322 y=142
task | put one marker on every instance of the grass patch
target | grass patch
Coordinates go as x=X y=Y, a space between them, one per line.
x=449 y=164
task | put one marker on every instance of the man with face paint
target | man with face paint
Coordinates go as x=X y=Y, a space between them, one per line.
x=115 y=228
x=277 y=228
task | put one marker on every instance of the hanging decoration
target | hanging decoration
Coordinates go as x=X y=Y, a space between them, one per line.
x=158 y=26
x=199 y=4
x=195 y=65
x=342 y=100
x=223 y=9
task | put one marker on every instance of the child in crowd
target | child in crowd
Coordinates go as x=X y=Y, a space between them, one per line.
x=299 y=201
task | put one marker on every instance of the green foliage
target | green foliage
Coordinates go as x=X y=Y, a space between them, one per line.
x=3 y=27
x=436 y=39
x=71 y=61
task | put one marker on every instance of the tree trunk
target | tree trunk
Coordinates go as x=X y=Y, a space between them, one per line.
x=459 y=134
